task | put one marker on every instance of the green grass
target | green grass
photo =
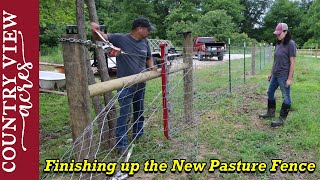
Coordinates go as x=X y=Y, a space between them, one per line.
x=52 y=55
x=229 y=128
x=55 y=132
x=235 y=134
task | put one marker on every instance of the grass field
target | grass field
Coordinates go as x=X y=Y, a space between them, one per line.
x=229 y=129
x=52 y=55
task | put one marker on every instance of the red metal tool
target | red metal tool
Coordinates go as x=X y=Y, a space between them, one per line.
x=165 y=92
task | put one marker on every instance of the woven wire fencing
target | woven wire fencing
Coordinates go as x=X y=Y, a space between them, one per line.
x=151 y=145
x=211 y=81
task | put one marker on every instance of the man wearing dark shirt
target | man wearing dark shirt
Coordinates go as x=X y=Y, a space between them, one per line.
x=135 y=60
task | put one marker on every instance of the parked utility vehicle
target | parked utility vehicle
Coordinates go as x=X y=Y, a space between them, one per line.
x=206 y=47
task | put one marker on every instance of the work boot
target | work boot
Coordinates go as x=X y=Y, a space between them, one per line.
x=271 y=110
x=283 y=115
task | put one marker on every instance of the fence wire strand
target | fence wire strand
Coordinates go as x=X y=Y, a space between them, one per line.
x=153 y=145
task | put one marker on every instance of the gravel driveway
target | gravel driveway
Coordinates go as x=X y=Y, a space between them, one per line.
x=198 y=64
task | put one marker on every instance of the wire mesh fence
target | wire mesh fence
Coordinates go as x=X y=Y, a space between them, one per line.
x=211 y=81
x=152 y=145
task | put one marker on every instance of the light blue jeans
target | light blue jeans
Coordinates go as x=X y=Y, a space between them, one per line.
x=276 y=82
x=128 y=96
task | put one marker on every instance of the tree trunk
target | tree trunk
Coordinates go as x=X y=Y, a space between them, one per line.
x=82 y=32
x=103 y=71
x=85 y=142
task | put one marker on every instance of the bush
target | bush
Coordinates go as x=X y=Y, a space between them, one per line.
x=311 y=43
x=51 y=54
x=238 y=39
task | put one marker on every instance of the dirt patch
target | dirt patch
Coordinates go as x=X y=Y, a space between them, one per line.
x=142 y=175
x=204 y=151
x=44 y=137
x=249 y=95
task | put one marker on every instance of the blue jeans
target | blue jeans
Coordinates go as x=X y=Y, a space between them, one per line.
x=276 y=82
x=128 y=96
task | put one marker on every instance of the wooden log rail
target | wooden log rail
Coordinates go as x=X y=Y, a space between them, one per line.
x=108 y=86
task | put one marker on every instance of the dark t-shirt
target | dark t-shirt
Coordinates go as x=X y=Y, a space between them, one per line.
x=282 y=54
x=135 y=61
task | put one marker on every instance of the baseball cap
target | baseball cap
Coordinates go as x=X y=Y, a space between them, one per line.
x=280 y=28
x=142 y=22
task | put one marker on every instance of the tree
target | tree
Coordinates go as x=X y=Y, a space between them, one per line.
x=215 y=23
x=180 y=26
x=313 y=21
x=237 y=39
x=54 y=16
x=232 y=8
x=186 y=12
x=302 y=32
x=122 y=12
x=108 y=130
x=253 y=16
x=162 y=10
x=304 y=5
x=281 y=11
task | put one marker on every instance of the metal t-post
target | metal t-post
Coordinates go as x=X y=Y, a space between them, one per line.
x=260 y=57
x=244 y=62
x=264 y=55
x=165 y=90
x=229 y=66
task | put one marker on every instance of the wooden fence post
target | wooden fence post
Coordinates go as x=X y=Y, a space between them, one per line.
x=78 y=94
x=188 y=76
x=253 y=60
